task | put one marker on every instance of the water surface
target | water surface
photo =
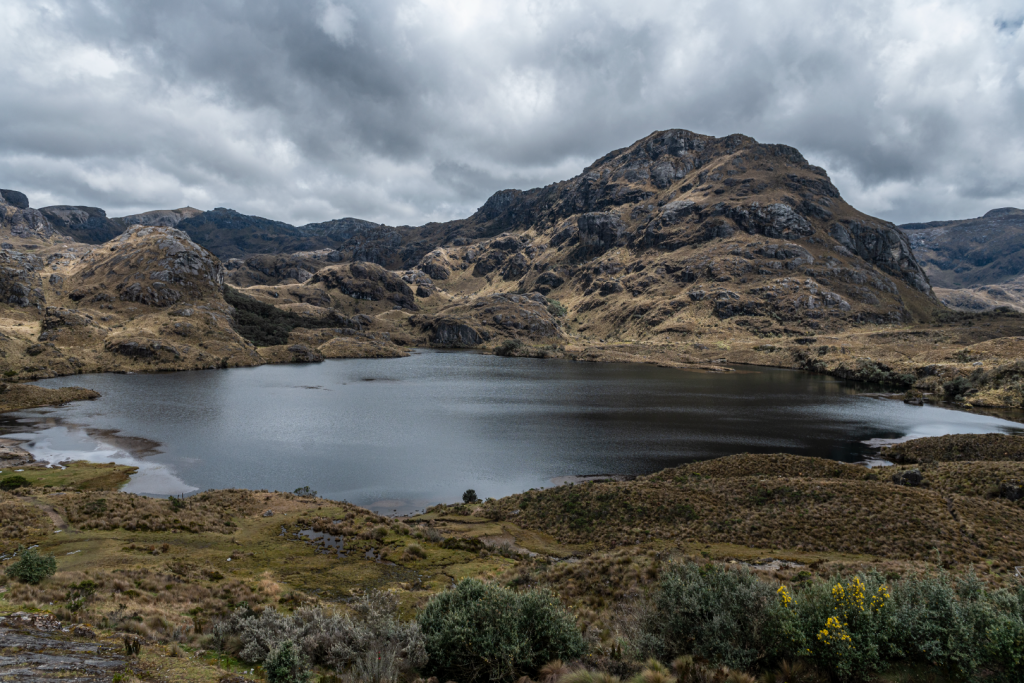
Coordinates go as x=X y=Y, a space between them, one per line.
x=401 y=434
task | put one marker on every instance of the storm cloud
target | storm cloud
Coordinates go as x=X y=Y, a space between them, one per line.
x=405 y=112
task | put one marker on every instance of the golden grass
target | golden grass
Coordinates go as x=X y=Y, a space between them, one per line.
x=868 y=516
x=958 y=447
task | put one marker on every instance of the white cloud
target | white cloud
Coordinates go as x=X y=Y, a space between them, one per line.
x=409 y=111
x=338 y=22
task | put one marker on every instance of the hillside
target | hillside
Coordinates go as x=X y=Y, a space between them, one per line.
x=975 y=263
x=681 y=249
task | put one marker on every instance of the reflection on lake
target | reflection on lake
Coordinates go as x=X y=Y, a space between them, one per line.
x=401 y=434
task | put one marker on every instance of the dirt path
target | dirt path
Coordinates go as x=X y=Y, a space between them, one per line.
x=58 y=521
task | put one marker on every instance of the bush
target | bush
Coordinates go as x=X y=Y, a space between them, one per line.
x=284 y=665
x=509 y=347
x=469 y=496
x=481 y=631
x=305 y=492
x=31 y=567
x=556 y=308
x=11 y=483
x=726 y=617
x=327 y=640
x=848 y=629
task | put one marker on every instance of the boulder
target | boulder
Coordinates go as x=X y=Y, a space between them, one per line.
x=455 y=333
x=908 y=478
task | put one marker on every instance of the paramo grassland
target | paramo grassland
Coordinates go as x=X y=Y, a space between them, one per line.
x=219 y=582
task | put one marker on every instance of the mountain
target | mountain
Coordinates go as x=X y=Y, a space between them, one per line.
x=974 y=263
x=681 y=240
x=681 y=229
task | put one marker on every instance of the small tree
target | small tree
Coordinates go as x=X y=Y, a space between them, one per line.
x=469 y=496
x=32 y=567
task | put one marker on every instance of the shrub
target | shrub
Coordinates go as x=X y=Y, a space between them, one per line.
x=284 y=665
x=848 y=629
x=481 y=631
x=328 y=640
x=469 y=496
x=13 y=482
x=509 y=347
x=556 y=308
x=305 y=492
x=945 y=622
x=32 y=567
x=724 y=616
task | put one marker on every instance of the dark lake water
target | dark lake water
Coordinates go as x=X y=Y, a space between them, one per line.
x=401 y=434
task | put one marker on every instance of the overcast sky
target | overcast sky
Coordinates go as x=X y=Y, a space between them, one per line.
x=408 y=111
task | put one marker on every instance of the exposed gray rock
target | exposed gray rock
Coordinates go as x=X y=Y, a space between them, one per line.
x=454 y=333
x=600 y=231
x=304 y=354
x=884 y=246
x=908 y=478
x=14 y=198
x=436 y=264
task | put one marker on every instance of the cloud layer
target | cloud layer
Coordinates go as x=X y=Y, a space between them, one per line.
x=405 y=112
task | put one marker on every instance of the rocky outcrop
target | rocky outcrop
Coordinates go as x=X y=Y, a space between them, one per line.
x=16 y=199
x=436 y=264
x=884 y=246
x=973 y=254
x=453 y=333
x=151 y=266
x=160 y=218
x=83 y=223
x=20 y=284
x=600 y=231
x=367 y=281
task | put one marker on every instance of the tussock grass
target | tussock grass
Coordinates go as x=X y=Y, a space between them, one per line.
x=20 y=520
x=866 y=516
x=958 y=447
x=209 y=511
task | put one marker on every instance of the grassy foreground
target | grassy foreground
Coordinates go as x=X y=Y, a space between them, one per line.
x=167 y=572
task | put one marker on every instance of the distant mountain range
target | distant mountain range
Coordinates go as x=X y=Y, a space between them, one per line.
x=974 y=263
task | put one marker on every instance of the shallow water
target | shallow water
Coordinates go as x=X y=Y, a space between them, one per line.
x=402 y=434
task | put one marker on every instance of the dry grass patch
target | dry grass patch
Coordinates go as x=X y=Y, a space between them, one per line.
x=112 y=510
x=20 y=520
x=958 y=447
x=869 y=516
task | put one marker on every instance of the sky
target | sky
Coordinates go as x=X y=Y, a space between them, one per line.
x=405 y=111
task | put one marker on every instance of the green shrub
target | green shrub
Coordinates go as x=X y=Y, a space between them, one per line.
x=13 y=482
x=726 y=617
x=848 y=628
x=31 y=567
x=556 y=308
x=469 y=496
x=509 y=347
x=481 y=631
x=284 y=665
x=944 y=622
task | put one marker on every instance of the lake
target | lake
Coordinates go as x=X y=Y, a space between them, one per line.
x=402 y=434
